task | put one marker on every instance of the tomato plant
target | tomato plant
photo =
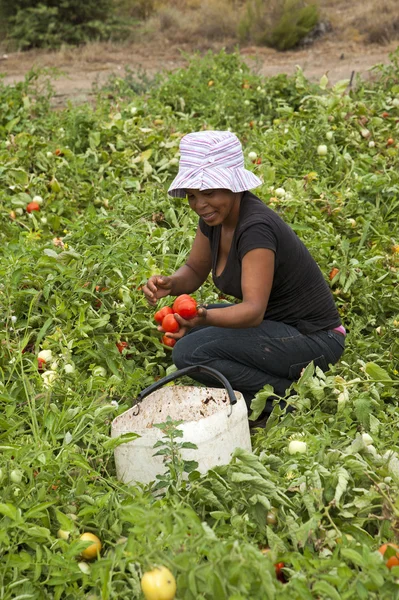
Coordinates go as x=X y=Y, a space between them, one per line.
x=70 y=294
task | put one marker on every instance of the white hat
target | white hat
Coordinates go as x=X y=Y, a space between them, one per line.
x=211 y=160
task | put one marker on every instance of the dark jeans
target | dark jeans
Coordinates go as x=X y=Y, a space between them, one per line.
x=271 y=353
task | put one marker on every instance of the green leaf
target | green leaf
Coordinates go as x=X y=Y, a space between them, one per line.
x=327 y=590
x=39 y=509
x=259 y=402
x=376 y=373
x=113 y=443
x=19 y=176
x=10 y=511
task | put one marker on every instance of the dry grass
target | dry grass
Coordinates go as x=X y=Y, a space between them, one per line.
x=208 y=20
x=379 y=22
x=368 y=21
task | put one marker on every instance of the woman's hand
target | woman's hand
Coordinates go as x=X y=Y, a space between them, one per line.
x=185 y=325
x=158 y=286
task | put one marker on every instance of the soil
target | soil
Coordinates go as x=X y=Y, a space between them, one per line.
x=81 y=68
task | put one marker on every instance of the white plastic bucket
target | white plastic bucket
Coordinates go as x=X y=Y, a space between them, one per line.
x=215 y=419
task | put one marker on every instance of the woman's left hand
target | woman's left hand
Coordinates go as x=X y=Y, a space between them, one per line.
x=185 y=325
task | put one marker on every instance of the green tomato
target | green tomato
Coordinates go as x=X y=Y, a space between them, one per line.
x=16 y=476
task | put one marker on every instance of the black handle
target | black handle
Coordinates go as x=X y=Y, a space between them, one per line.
x=194 y=369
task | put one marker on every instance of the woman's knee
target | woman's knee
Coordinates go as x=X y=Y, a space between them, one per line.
x=181 y=354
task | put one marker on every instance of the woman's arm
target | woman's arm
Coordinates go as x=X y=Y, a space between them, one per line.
x=187 y=278
x=256 y=284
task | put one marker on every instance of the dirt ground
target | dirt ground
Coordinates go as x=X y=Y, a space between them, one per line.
x=95 y=63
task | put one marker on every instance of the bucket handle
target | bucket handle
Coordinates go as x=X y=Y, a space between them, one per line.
x=186 y=371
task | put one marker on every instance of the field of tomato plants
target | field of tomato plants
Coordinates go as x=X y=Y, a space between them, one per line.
x=85 y=220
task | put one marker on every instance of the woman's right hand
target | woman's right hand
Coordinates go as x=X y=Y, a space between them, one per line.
x=158 y=286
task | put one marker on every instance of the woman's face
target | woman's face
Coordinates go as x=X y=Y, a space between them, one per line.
x=215 y=206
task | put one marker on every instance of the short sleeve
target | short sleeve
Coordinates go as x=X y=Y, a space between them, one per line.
x=258 y=235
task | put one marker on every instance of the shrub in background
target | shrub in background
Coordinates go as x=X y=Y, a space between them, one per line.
x=281 y=25
x=49 y=23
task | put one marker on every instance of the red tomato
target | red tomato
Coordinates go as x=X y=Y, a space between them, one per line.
x=161 y=314
x=180 y=299
x=392 y=561
x=170 y=324
x=40 y=364
x=121 y=346
x=187 y=309
x=333 y=273
x=32 y=206
x=167 y=341
x=185 y=306
x=390 y=141
x=279 y=571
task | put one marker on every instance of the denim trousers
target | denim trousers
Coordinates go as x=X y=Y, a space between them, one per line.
x=271 y=353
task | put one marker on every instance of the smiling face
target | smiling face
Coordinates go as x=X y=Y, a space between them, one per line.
x=216 y=207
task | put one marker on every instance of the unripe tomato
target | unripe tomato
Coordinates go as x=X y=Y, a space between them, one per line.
x=170 y=325
x=322 y=150
x=95 y=547
x=168 y=341
x=161 y=314
x=63 y=534
x=393 y=560
x=271 y=517
x=32 y=206
x=158 y=584
x=297 y=447
x=16 y=476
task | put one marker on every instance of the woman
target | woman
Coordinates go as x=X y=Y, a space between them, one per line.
x=287 y=317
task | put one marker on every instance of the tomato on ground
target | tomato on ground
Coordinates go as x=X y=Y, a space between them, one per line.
x=170 y=325
x=32 y=206
x=95 y=547
x=158 y=584
x=333 y=273
x=121 y=346
x=392 y=558
x=161 y=314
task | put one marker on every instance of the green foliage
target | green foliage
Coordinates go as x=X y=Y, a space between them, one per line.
x=296 y=21
x=70 y=278
x=279 y=25
x=48 y=23
x=172 y=480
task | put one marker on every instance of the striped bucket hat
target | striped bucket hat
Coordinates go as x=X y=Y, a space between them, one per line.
x=211 y=160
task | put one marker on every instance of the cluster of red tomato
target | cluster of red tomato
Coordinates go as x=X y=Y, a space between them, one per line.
x=185 y=306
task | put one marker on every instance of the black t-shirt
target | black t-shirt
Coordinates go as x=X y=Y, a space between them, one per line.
x=299 y=296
